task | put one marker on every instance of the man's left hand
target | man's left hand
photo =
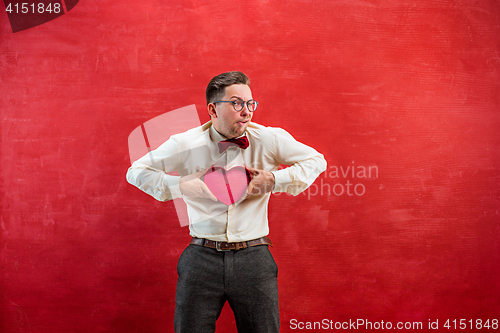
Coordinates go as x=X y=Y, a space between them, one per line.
x=261 y=183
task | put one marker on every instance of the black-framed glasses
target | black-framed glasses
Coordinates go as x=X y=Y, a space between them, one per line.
x=239 y=104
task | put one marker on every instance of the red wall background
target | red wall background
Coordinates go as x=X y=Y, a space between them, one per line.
x=410 y=88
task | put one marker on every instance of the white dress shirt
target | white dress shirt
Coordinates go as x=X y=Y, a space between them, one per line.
x=197 y=149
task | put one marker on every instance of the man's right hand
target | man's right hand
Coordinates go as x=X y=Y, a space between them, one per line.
x=193 y=187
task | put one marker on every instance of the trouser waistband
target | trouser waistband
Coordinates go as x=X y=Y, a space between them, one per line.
x=226 y=246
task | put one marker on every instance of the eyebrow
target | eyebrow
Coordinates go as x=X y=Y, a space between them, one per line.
x=235 y=96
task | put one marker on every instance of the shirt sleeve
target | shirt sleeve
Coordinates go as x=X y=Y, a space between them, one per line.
x=306 y=164
x=149 y=173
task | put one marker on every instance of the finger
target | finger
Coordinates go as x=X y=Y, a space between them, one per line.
x=257 y=186
x=196 y=175
x=208 y=193
x=253 y=171
x=200 y=173
x=250 y=188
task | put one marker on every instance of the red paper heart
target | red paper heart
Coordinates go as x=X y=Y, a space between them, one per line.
x=228 y=186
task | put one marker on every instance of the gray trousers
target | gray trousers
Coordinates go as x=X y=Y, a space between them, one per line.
x=246 y=278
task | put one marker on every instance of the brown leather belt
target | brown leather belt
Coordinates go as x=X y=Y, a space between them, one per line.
x=225 y=246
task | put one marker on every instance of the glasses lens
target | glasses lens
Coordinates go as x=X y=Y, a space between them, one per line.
x=252 y=105
x=238 y=104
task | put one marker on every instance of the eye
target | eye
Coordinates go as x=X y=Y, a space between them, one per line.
x=238 y=103
x=252 y=105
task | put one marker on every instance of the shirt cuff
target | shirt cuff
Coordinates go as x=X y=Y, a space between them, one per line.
x=281 y=180
x=172 y=183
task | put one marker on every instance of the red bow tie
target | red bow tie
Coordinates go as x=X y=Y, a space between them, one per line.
x=240 y=142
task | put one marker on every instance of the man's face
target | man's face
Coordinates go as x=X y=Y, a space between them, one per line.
x=225 y=119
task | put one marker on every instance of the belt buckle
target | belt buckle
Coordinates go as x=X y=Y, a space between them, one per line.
x=217 y=246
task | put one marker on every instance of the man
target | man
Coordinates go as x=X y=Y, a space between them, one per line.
x=228 y=258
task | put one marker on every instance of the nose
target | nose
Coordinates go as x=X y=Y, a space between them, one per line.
x=245 y=112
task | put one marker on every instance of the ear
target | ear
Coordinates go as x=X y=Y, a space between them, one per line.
x=211 y=110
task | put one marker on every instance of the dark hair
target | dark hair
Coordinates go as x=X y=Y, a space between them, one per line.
x=217 y=86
